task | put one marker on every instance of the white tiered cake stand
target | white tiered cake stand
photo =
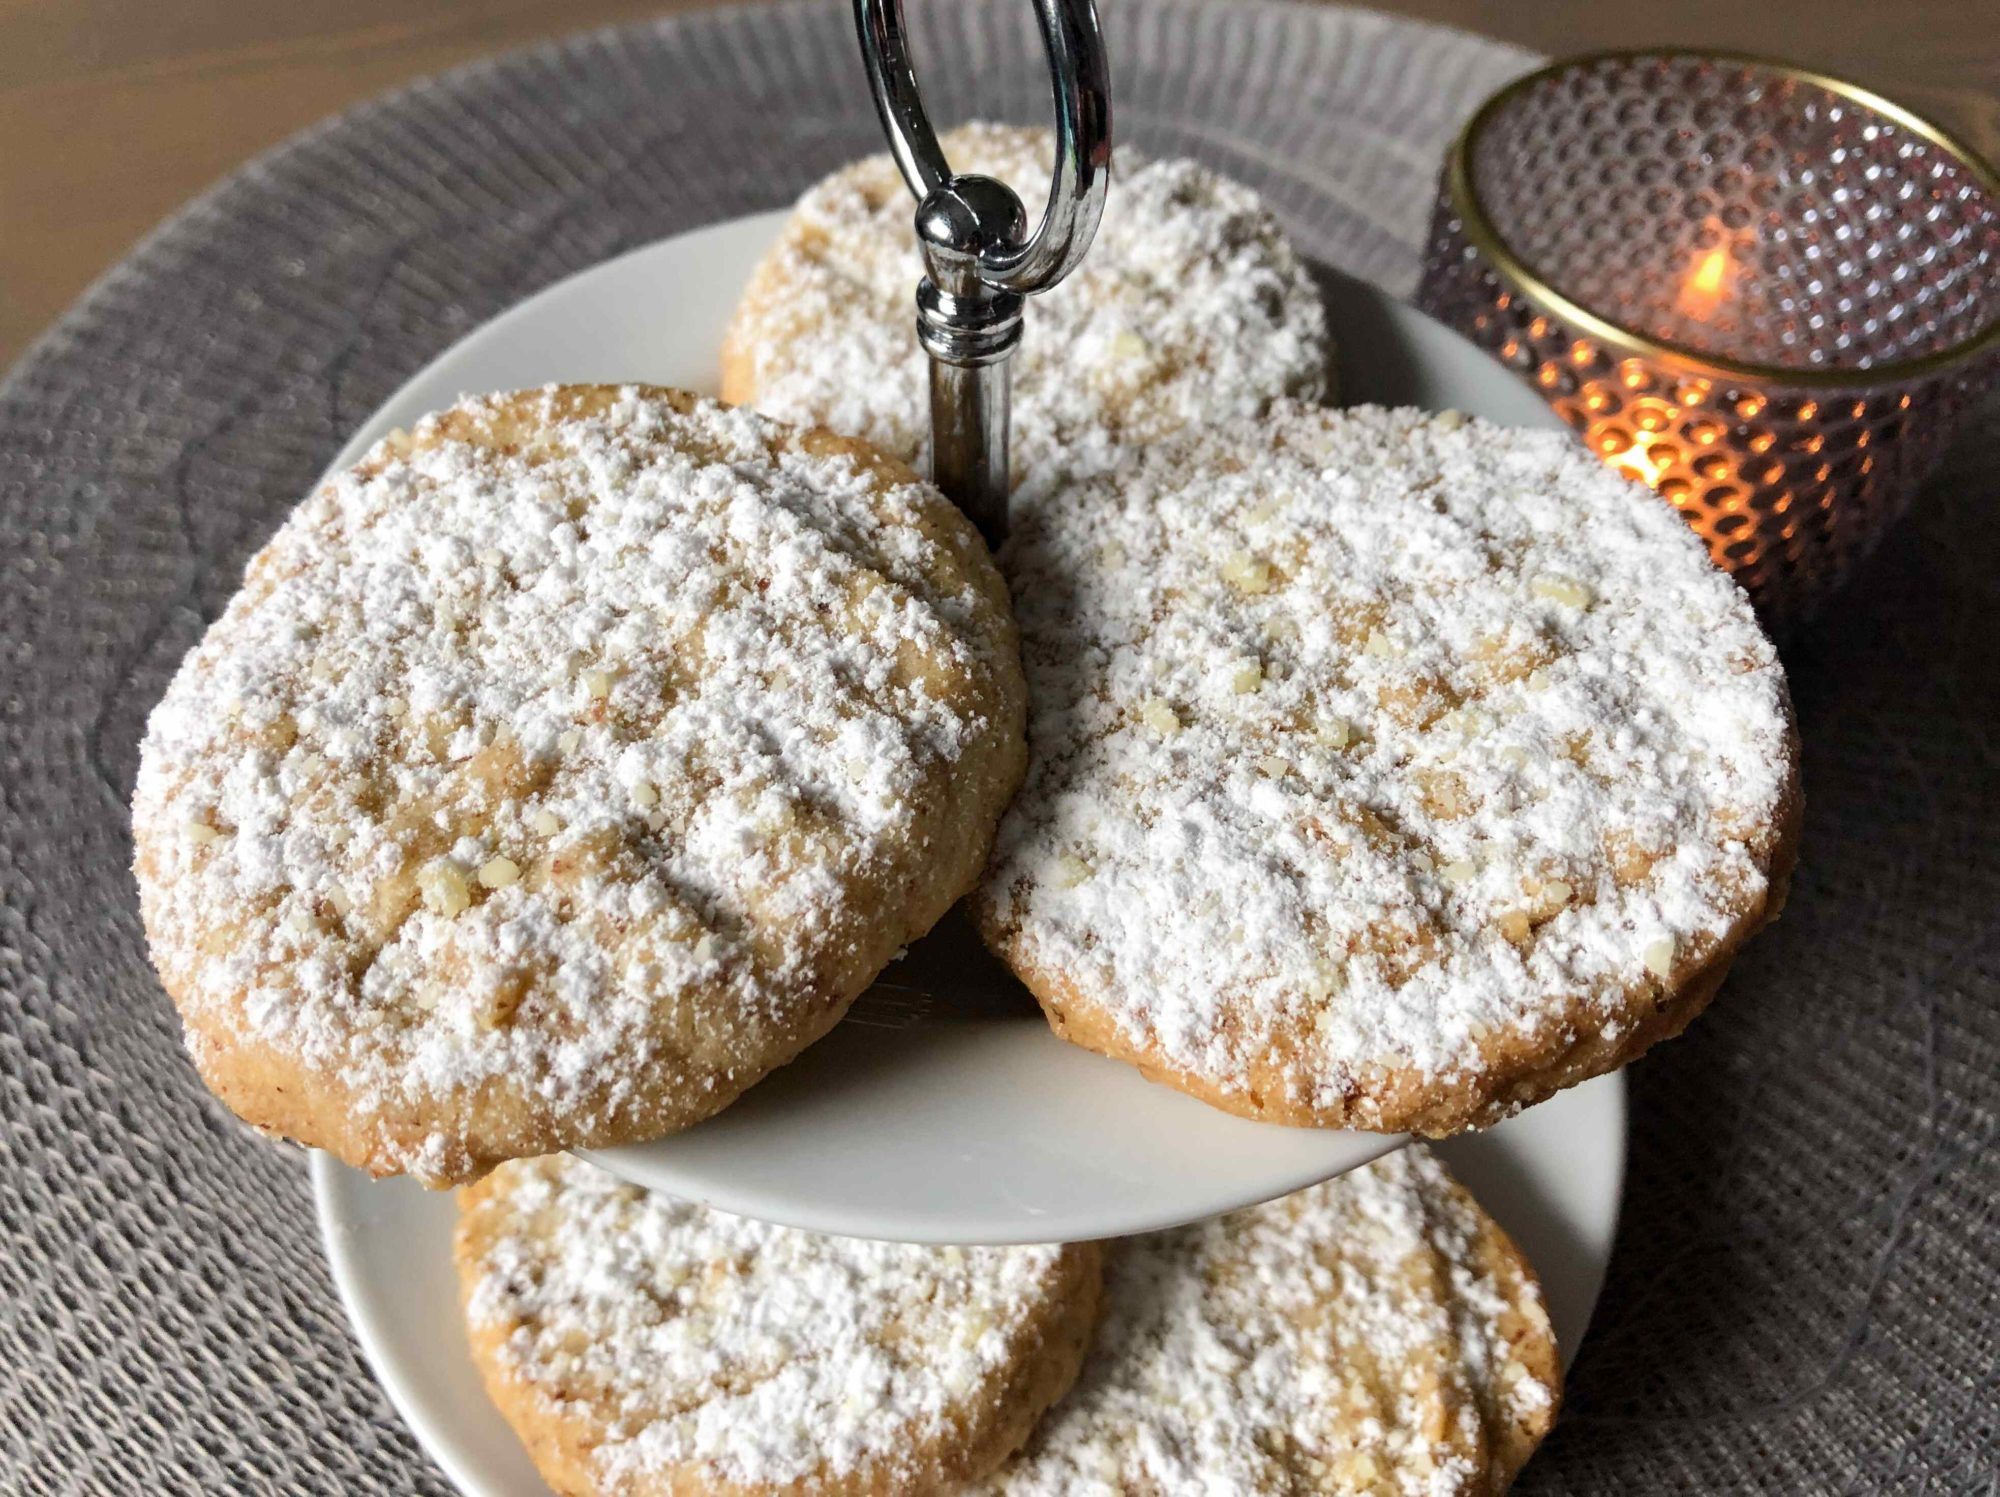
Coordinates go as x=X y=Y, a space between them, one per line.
x=943 y=1109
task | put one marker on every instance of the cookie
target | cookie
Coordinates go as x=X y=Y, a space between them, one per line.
x=1377 y=1334
x=562 y=768
x=1387 y=771
x=1191 y=307
x=642 y=1345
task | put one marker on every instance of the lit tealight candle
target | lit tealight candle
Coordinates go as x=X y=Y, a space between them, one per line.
x=1764 y=293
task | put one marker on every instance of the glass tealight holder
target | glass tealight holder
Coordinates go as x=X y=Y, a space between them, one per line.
x=1765 y=292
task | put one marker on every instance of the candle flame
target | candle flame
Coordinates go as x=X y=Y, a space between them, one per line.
x=1711 y=272
x=1707 y=283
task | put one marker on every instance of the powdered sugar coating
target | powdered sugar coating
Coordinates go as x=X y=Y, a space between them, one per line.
x=696 y=1351
x=1379 y=762
x=561 y=769
x=1374 y=1334
x=1191 y=307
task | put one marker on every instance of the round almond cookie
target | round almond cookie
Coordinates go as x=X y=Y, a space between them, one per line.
x=641 y=1345
x=1386 y=771
x=1377 y=1335
x=562 y=768
x=1192 y=307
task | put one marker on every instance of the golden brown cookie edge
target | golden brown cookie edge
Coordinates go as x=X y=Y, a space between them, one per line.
x=1513 y=1074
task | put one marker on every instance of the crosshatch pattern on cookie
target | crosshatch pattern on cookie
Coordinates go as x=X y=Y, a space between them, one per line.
x=1376 y=1334
x=1386 y=770
x=641 y=1344
x=563 y=767
x=1192 y=306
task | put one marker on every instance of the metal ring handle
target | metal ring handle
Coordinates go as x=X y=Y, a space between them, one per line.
x=1081 y=82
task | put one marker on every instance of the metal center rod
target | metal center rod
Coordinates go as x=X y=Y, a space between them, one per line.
x=970 y=328
x=979 y=260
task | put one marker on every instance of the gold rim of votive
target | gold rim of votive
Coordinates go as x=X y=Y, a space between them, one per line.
x=1479 y=229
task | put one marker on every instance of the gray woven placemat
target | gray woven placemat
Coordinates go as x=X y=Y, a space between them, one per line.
x=1805 y=1292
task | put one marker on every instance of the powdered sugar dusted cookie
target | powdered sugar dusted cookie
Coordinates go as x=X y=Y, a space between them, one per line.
x=1191 y=307
x=1377 y=1334
x=1386 y=771
x=563 y=768
x=641 y=1345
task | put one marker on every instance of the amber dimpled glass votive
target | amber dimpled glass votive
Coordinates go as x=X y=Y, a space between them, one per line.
x=1765 y=292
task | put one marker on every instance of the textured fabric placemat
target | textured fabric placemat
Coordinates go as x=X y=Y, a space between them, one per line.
x=1805 y=1291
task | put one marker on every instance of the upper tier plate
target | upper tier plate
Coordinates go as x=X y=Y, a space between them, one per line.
x=943 y=1110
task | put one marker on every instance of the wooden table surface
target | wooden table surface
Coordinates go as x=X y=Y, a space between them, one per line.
x=113 y=112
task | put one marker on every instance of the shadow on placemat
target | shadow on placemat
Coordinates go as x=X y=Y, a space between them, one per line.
x=1809 y=1238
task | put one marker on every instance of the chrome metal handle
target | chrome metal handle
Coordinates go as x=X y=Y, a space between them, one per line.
x=979 y=259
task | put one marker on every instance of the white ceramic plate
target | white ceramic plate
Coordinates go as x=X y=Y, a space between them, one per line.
x=962 y=1120
x=1551 y=1176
